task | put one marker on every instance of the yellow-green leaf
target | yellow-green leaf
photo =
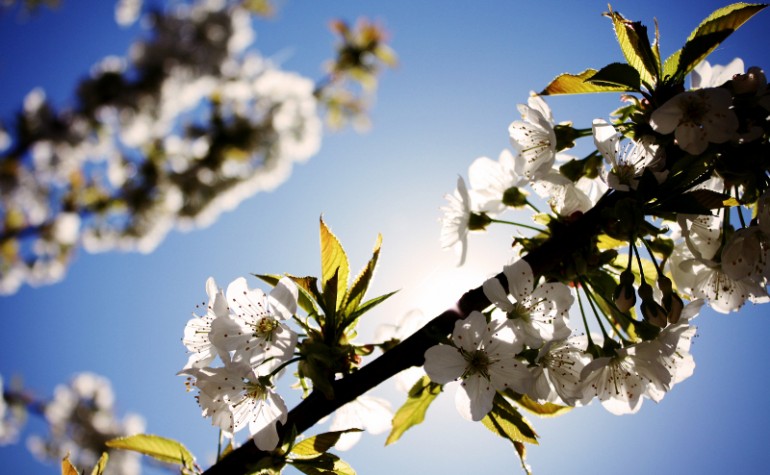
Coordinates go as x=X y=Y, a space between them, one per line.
x=413 y=411
x=157 y=447
x=578 y=84
x=543 y=410
x=325 y=464
x=707 y=36
x=66 y=466
x=635 y=44
x=334 y=261
x=361 y=282
x=101 y=464
x=317 y=445
x=507 y=422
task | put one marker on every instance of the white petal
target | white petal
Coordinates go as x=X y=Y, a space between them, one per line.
x=444 y=363
x=475 y=397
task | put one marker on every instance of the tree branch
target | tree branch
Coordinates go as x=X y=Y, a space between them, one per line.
x=410 y=352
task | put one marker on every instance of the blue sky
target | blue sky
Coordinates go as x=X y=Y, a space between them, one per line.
x=463 y=68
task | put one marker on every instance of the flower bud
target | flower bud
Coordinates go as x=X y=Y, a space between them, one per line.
x=673 y=305
x=624 y=295
x=652 y=311
x=751 y=82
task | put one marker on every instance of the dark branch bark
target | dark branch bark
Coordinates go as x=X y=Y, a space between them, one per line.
x=410 y=352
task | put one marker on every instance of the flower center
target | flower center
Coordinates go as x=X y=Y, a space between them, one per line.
x=519 y=311
x=694 y=109
x=478 y=362
x=265 y=327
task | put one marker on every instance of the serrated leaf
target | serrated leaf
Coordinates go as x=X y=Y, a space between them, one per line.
x=578 y=84
x=324 y=464
x=607 y=242
x=317 y=445
x=101 y=464
x=361 y=283
x=521 y=449
x=635 y=44
x=422 y=394
x=507 y=422
x=543 y=410
x=66 y=466
x=160 y=448
x=617 y=74
x=365 y=307
x=707 y=36
x=334 y=261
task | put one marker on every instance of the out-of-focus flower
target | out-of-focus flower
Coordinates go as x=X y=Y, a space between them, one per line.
x=81 y=420
x=456 y=220
x=366 y=413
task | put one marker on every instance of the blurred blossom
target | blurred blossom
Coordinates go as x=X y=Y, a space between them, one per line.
x=366 y=413
x=186 y=128
x=81 y=420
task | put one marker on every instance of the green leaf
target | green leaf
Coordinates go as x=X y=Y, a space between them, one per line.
x=323 y=465
x=317 y=445
x=707 y=36
x=159 y=448
x=507 y=422
x=422 y=394
x=543 y=410
x=635 y=44
x=334 y=261
x=617 y=75
x=578 y=84
x=101 y=465
x=365 y=307
x=361 y=282
x=66 y=466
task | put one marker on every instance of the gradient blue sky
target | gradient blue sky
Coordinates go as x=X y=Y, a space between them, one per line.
x=463 y=68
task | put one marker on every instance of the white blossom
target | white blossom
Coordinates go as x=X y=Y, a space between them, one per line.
x=483 y=358
x=535 y=313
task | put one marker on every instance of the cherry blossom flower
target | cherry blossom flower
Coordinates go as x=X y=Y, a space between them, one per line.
x=196 y=332
x=557 y=374
x=254 y=329
x=626 y=162
x=483 y=358
x=703 y=278
x=81 y=418
x=535 y=313
x=492 y=181
x=697 y=118
x=455 y=223
x=705 y=75
x=620 y=381
x=745 y=255
x=234 y=396
x=533 y=138
x=367 y=413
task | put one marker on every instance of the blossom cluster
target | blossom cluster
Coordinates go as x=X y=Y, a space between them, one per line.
x=697 y=150
x=81 y=419
x=248 y=332
x=246 y=329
